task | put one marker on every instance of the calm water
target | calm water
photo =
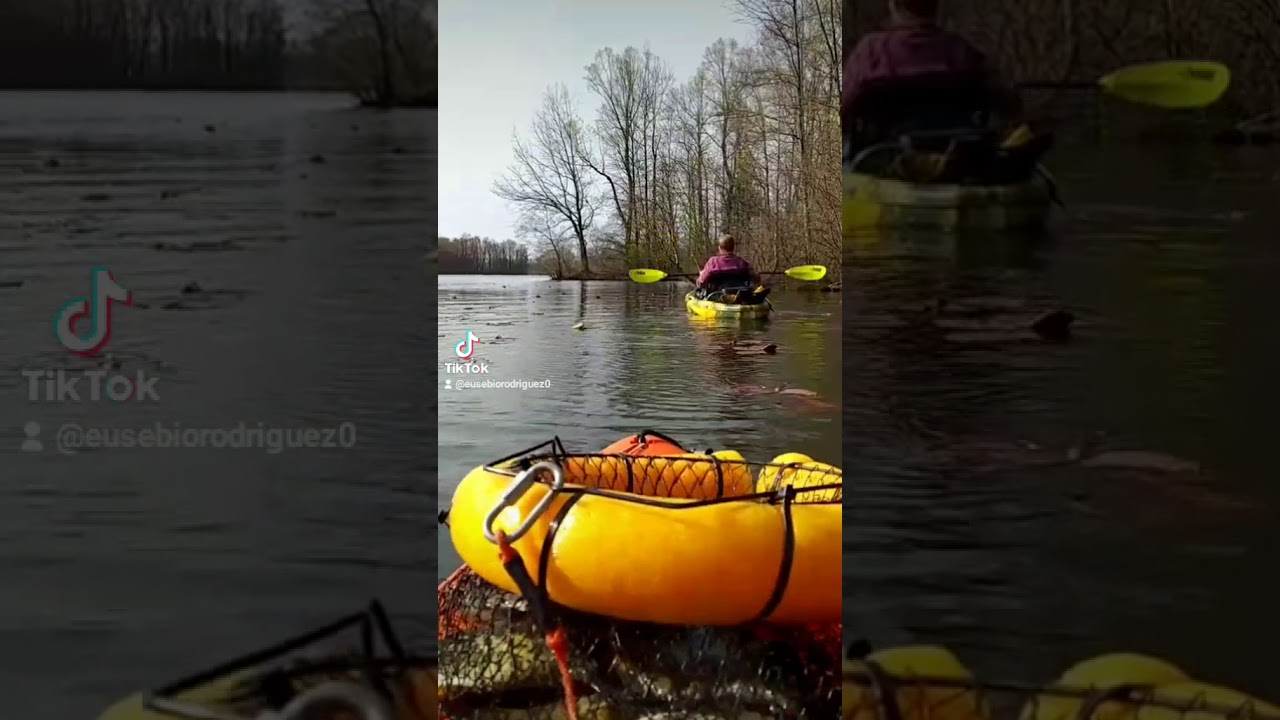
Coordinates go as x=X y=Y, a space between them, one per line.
x=640 y=363
x=1170 y=265
x=125 y=567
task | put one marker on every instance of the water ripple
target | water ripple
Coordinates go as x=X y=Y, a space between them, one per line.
x=173 y=559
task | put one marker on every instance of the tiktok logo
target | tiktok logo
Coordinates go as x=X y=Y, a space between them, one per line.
x=467 y=347
x=69 y=324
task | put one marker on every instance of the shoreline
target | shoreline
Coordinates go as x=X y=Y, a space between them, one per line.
x=832 y=287
x=421 y=103
x=593 y=277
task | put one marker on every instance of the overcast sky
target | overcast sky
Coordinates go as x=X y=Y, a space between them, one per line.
x=498 y=57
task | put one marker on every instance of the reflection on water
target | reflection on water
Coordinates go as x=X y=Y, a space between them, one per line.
x=971 y=522
x=640 y=362
x=298 y=302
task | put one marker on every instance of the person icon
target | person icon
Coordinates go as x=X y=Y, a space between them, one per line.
x=31 y=443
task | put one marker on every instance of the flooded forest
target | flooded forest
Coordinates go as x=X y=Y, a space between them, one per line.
x=382 y=51
x=662 y=165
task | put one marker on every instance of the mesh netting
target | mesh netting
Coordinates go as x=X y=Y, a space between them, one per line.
x=870 y=693
x=496 y=663
x=721 y=476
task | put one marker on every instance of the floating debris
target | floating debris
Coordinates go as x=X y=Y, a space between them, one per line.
x=194 y=297
x=753 y=347
x=1141 y=460
x=178 y=192
x=199 y=246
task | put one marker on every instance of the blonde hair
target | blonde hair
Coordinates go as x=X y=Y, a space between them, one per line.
x=726 y=242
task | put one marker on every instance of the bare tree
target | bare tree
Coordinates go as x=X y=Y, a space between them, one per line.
x=631 y=87
x=544 y=231
x=551 y=173
x=724 y=64
x=384 y=50
x=691 y=156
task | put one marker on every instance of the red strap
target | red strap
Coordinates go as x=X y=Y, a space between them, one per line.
x=556 y=639
x=559 y=644
x=506 y=553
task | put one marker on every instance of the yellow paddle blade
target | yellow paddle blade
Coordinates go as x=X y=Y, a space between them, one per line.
x=807 y=272
x=1020 y=136
x=646 y=276
x=1173 y=85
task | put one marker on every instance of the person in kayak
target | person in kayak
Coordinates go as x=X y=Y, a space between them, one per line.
x=726 y=271
x=913 y=75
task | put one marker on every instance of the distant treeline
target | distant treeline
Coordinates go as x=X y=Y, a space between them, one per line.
x=471 y=255
x=383 y=51
x=1073 y=41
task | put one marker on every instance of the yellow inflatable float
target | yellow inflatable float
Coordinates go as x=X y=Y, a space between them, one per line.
x=911 y=669
x=929 y=683
x=1101 y=674
x=1201 y=701
x=677 y=538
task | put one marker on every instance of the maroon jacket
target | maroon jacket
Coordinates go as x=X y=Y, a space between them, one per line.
x=906 y=50
x=723 y=263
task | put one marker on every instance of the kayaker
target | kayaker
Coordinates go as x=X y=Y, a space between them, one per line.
x=726 y=269
x=913 y=72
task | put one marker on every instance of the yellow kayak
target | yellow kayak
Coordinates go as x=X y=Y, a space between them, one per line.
x=218 y=695
x=713 y=309
x=242 y=696
x=873 y=203
x=291 y=680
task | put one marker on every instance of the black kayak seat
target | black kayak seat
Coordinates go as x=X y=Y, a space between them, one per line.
x=944 y=105
x=733 y=296
x=936 y=114
x=730 y=288
x=726 y=280
x=976 y=147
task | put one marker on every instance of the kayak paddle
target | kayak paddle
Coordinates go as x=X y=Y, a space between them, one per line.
x=808 y=273
x=1171 y=85
x=644 y=277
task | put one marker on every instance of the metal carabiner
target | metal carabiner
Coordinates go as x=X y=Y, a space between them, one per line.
x=519 y=487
